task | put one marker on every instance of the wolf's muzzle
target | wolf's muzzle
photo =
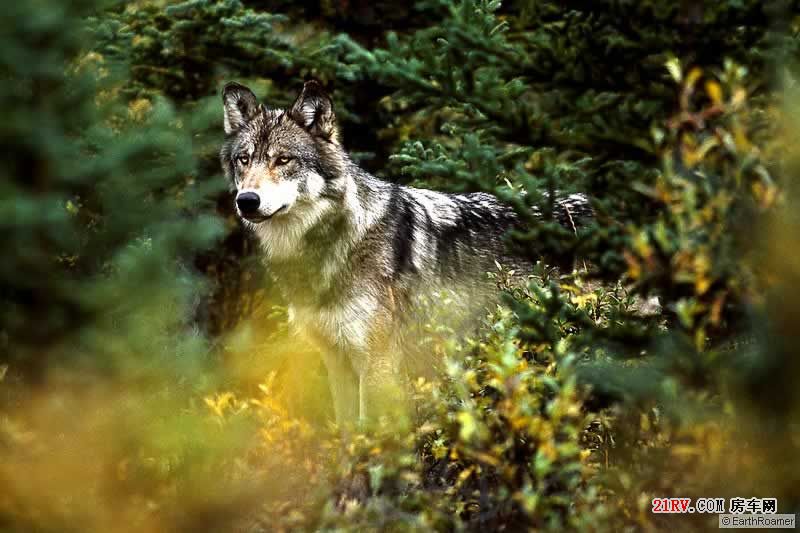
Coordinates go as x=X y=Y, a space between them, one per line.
x=248 y=203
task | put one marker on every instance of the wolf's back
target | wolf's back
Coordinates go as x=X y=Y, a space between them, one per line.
x=462 y=235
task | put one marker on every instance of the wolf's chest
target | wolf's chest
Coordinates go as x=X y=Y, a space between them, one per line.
x=344 y=326
x=308 y=286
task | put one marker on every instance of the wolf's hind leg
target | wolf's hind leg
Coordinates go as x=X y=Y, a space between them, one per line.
x=344 y=387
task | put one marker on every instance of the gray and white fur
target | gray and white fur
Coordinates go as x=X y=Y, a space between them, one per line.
x=352 y=254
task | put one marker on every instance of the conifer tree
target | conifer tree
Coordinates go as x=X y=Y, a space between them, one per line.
x=569 y=409
x=99 y=202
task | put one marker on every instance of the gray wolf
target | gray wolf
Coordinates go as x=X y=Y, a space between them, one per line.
x=353 y=254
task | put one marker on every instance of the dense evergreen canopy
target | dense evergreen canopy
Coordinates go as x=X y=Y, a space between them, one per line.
x=146 y=379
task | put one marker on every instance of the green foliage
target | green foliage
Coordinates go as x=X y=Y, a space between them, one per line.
x=136 y=340
x=98 y=198
x=180 y=49
x=498 y=446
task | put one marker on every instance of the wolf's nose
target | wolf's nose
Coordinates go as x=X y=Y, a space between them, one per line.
x=248 y=202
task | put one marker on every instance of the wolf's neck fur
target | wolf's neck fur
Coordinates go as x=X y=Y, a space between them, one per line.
x=310 y=249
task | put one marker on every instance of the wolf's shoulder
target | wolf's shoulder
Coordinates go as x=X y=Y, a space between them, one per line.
x=456 y=205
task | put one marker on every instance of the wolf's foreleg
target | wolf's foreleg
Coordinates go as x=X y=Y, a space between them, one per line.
x=344 y=385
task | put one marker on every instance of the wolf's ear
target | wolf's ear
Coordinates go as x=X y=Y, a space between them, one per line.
x=313 y=110
x=240 y=105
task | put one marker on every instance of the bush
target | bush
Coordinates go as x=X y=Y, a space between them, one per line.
x=147 y=379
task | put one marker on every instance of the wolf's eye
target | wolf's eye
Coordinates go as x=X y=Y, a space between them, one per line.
x=282 y=160
x=243 y=159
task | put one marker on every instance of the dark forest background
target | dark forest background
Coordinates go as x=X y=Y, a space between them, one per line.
x=146 y=379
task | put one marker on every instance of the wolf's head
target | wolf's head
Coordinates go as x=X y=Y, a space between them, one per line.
x=283 y=163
